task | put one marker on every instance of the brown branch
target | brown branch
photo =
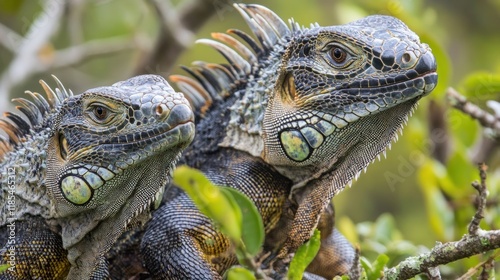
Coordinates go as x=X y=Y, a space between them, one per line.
x=173 y=40
x=485 y=119
x=483 y=194
x=433 y=273
x=444 y=253
x=488 y=142
x=476 y=242
x=37 y=37
x=486 y=265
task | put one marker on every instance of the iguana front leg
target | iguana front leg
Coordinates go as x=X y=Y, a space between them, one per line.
x=33 y=251
x=182 y=243
x=308 y=213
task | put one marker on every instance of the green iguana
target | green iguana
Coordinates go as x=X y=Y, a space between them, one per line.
x=293 y=118
x=84 y=169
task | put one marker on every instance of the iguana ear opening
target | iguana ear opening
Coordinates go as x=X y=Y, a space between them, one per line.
x=288 y=91
x=63 y=146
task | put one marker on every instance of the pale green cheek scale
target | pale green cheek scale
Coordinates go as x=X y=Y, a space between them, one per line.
x=313 y=137
x=325 y=127
x=93 y=179
x=295 y=145
x=75 y=190
x=105 y=174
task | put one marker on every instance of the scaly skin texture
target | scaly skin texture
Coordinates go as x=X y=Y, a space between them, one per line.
x=88 y=167
x=289 y=122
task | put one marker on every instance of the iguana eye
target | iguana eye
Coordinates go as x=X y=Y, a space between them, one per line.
x=100 y=112
x=338 y=54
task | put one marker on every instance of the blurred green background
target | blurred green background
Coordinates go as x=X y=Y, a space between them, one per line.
x=428 y=197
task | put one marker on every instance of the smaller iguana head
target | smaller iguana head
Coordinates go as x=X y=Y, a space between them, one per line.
x=112 y=143
x=345 y=87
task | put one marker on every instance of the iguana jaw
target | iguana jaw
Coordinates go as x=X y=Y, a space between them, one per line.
x=352 y=157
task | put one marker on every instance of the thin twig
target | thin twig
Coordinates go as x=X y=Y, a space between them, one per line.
x=433 y=273
x=26 y=59
x=487 y=267
x=483 y=195
x=172 y=41
x=476 y=242
x=76 y=54
x=172 y=23
x=485 y=119
x=472 y=271
x=9 y=38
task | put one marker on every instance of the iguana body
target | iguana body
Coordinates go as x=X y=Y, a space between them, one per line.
x=289 y=122
x=87 y=167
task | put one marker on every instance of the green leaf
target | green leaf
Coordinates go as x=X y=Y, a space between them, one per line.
x=378 y=267
x=460 y=170
x=441 y=217
x=374 y=270
x=385 y=229
x=481 y=85
x=304 y=256
x=239 y=273
x=252 y=225
x=348 y=229
x=211 y=201
x=366 y=264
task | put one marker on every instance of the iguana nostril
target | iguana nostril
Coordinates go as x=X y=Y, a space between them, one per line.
x=179 y=114
x=162 y=111
x=406 y=58
x=426 y=63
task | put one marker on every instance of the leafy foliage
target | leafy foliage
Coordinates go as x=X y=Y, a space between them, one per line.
x=304 y=256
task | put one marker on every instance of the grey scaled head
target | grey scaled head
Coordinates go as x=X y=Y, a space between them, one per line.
x=108 y=140
x=337 y=82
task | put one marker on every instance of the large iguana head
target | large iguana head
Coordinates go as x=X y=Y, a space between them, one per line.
x=104 y=158
x=309 y=98
x=342 y=90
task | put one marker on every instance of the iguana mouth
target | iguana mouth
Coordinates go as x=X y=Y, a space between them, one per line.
x=179 y=116
x=153 y=135
x=423 y=83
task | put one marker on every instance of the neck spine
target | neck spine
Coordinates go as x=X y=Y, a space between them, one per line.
x=244 y=130
x=23 y=172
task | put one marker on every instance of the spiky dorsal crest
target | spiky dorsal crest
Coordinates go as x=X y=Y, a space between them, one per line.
x=211 y=82
x=17 y=128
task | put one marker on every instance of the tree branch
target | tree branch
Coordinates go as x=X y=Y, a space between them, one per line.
x=9 y=38
x=176 y=32
x=483 y=193
x=485 y=119
x=444 y=253
x=476 y=242
x=37 y=37
x=485 y=265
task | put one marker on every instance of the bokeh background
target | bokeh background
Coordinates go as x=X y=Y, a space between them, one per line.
x=419 y=195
